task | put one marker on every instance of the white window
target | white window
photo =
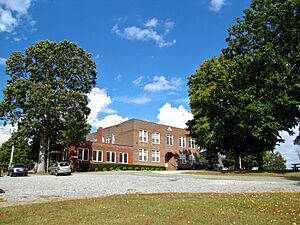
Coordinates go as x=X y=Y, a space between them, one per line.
x=143 y=136
x=155 y=156
x=143 y=155
x=182 y=159
x=123 y=157
x=83 y=154
x=182 y=142
x=156 y=138
x=107 y=140
x=170 y=140
x=192 y=143
x=111 y=157
x=98 y=156
x=192 y=159
x=113 y=139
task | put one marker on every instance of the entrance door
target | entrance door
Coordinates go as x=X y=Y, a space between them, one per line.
x=170 y=161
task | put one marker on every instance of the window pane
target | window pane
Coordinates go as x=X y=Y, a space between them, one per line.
x=140 y=155
x=80 y=154
x=107 y=156
x=100 y=156
x=86 y=154
x=94 y=155
x=121 y=157
x=125 y=158
x=113 y=157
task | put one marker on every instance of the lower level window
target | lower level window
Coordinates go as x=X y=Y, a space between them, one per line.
x=98 y=156
x=155 y=156
x=182 y=159
x=83 y=154
x=143 y=155
x=111 y=157
x=123 y=157
x=192 y=159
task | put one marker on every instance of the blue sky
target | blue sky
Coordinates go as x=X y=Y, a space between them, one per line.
x=144 y=50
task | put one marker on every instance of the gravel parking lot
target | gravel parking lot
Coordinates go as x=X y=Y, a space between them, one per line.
x=15 y=190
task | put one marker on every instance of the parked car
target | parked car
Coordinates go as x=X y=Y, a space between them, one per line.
x=60 y=168
x=199 y=166
x=17 y=169
x=203 y=166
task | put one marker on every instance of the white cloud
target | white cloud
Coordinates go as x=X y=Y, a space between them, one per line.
x=12 y=13
x=110 y=120
x=5 y=133
x=138 y=80
x=2 y=61
x=216 y=5
x=119 y=77
x=287 y=149
x=98 y=102
x=133 y=100
x=172 y=116
x=160 y=83
x=149 y=32
x=151 y=23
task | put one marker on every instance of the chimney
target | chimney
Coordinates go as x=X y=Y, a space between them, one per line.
x=99 y=135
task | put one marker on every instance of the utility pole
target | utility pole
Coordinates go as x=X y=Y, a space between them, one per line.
x=12 y=147
x=48 y=155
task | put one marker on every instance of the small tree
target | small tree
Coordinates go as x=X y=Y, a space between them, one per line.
x=22 y=153
x=276 y=161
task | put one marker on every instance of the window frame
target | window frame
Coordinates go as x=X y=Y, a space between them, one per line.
x=83 y=154
x=143 y=153
x=156 y=138
x=97 y=155
x=121 y=157
x=143 y=136
x=192 y=143
x=182 y=159
x=170 y=140
x=110 y=156
x=156 y=156
x=182 y=141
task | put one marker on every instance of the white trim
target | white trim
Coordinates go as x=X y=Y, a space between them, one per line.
x=123 y=153
x=83 y=154
x=111 y=152
x=97 y=155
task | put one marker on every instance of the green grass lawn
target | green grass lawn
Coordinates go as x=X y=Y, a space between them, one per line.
x=247 y=173
x=203 y=208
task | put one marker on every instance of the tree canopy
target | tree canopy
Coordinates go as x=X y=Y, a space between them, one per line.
x=46 y=93
x=242 y=100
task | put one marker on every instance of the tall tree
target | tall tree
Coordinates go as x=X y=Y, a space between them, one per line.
x=46 y=93
x=227 y=118
x=216 y=125
x=265 y=44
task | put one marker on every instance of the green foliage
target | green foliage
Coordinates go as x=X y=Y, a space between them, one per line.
x=46 y=92
x=110 y=167
x=276 y=162
x=22 y=153
x=241 y=101
x=265 y=45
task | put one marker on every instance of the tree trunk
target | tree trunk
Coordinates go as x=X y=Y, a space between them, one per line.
x=260 y=160
x=42 y=154
x=237 y=161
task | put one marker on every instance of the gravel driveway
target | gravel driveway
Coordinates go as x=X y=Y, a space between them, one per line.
x=80 y=185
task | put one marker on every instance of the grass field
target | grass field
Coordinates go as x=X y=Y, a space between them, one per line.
x=203 y=208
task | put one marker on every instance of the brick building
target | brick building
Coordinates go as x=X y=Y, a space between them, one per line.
x=137 y=142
